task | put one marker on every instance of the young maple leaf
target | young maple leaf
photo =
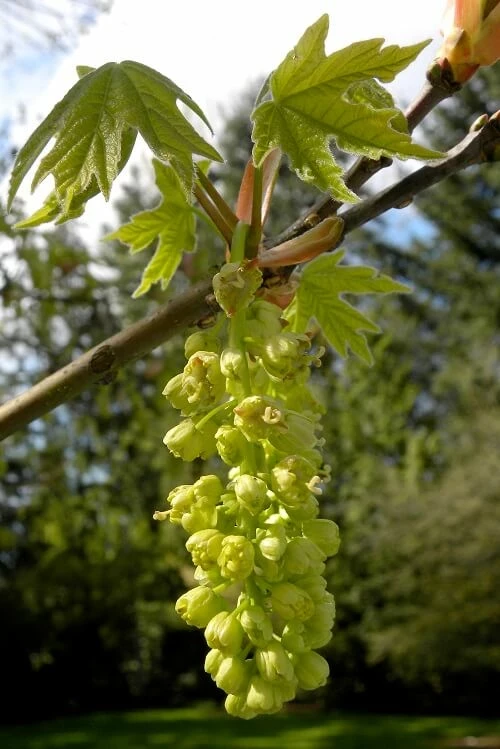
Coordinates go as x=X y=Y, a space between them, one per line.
x=315 y=98
x=95 y=126
x=319 y=296
x=171 y=223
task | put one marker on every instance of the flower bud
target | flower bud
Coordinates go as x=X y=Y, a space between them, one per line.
x=273 y=663
x=303 y=556
x=208 y=487
x=181 y=500
x=231 y=445
x=233 y=675
x=291 y=602
x=271 y=571
x=235 y=286
x=224 y=632
x=318 y=629
x=291 y=637
x=233 y=363
x=306 y=509
x=236 y=704
x=199 y=605
x=212 y=662
x=202 y=380
x=311 y=670
x=187 y=442
x=174 y=391
x=201 y=340
x=210 y=578
x=204 y=547
x=324 y=533
x=251 y=493
x=257 y=625
x=273 y=544
x=315 y=586
x=236 y=557
x=202 y=515
x=282 y=354
x=471 y=31
x=263 y=321
x=263 y=696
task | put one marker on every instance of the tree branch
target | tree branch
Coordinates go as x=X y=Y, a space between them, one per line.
x=100 y=363
x=476 y=148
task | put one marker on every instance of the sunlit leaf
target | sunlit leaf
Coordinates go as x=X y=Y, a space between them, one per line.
x=315 y=98
x=171 y=224
x=89 y=127
x=320 y=295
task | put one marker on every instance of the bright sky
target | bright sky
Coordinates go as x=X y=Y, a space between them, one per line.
x=212 y=49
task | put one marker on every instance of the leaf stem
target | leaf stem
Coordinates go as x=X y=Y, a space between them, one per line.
x=217 y=199
x=213 y=212
x=255 y=231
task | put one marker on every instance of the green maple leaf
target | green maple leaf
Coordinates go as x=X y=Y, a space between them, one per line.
x=171 y=223
x=52 y=210
x=319 y=295
x=315 y=97
x=93 y=126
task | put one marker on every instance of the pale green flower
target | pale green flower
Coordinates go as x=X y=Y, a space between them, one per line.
x=225 y=633
x=232 y=446
x=291 y=602
x=204 y=547
x=236 y=558
x=311 y=670
x=199 y=605
x=303 y=556
x=233 y=675
x=251 y=493
x=273 y=662
x=201 y=340
x=324 y=533
x=257 y=625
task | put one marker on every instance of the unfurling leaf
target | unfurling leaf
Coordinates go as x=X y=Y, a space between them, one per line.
x=319 y=295
x=171 y=223
x=315 y=97
x=94 y=127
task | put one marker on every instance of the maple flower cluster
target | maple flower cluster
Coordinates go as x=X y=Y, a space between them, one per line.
x=257 y=543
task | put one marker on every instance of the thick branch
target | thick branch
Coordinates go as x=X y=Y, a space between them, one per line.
x=99 y=364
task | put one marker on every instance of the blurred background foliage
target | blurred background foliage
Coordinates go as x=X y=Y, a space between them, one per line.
x=88 y=581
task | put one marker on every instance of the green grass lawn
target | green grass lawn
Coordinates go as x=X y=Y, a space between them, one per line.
x=208 y=728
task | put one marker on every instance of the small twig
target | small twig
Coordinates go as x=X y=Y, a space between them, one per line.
x=475 y=148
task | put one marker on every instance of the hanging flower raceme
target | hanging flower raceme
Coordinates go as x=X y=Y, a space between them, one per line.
x=256 y=542
x=471 y=30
